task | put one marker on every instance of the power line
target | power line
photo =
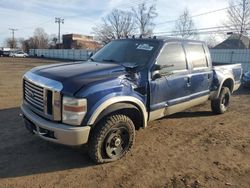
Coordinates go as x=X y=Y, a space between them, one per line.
x=37 y=25
x=193 y=16
x=197 y=15
x=200 y=31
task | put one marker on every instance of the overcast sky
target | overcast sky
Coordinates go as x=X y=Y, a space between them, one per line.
x=81 y=15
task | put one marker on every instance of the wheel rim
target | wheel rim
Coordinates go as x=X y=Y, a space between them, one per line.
x=225 y=101
x=117 y=142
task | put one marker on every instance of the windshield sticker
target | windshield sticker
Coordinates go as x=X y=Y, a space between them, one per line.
x=145 y=47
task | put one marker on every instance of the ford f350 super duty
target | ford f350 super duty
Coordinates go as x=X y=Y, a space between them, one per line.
x=125 y=85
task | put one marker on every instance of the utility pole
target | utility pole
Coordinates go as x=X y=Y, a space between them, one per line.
x=243 y=17
x=242 y=21
x=59 y=21
x=13 y=36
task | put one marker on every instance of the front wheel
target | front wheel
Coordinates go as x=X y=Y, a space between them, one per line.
x=220 y=105
x=111 y=139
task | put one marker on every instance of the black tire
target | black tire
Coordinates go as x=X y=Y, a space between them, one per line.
x=111 y=139
x=220 y=105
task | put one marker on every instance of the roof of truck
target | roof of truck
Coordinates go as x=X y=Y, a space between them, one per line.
x=162 y=39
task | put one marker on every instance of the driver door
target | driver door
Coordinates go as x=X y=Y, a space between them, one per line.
x=172 y=88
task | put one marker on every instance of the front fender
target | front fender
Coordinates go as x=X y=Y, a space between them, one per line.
x=102 y=105
x=101 y=95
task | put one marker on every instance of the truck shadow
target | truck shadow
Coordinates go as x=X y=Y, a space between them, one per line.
x=22 y=154
x=187 y=114
x=242 y=91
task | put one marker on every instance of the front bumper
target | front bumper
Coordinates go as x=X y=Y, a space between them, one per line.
x=55 y=132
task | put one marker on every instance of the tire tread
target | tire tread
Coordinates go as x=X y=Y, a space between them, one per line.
x=99 y=133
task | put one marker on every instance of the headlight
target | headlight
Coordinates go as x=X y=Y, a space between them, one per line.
x=74 y=110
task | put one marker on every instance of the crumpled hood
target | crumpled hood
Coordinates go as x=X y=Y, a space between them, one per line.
x=76 y=75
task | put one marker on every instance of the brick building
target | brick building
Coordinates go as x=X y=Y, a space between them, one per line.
x=76 y=41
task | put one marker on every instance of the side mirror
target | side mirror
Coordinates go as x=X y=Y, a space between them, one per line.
x=156 y=75
x=156 y=71
x=157 y=67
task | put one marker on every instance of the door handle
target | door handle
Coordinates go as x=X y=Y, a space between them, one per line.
x=188 y=81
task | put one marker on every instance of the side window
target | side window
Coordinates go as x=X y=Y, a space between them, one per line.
x=173 y=54
x=196 y=54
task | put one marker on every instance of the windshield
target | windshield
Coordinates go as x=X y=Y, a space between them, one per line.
x=137 y=52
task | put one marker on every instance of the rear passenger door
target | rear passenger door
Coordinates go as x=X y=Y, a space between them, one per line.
x=201 y=70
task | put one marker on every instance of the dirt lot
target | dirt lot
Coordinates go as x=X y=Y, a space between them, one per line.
x=190 y=149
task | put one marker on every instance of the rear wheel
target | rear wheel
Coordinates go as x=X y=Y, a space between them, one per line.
x=111 y=139
x=220 y=105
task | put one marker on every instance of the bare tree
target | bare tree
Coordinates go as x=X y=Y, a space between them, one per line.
x=238 y=16
x=25 y=44
x=211 y=41
x=10 y=43
x=116 y=24
x=184 y=26
x=40 y=40
x=144 y=17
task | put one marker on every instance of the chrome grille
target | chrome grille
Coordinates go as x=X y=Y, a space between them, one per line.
x=34 y=95
x=43 y=96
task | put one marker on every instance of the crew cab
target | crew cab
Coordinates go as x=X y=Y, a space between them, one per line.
x=125 y=85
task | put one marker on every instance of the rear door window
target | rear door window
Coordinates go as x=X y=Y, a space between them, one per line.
x=196 y=55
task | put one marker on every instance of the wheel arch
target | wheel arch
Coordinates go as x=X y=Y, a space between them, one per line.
x=120 y=103
x=227 y=82
x=125 y=108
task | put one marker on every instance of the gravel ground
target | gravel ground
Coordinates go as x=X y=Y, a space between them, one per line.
x=194 y=148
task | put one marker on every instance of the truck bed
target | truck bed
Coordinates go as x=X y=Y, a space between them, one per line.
x=229 y=70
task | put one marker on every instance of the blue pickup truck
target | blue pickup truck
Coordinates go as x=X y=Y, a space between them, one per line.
x=125 y=85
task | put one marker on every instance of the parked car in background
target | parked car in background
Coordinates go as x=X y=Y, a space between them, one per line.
x=18 y=54
x=246 y=79
x=4 y=53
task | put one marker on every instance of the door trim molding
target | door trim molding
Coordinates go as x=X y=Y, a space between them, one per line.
x=157 y=114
